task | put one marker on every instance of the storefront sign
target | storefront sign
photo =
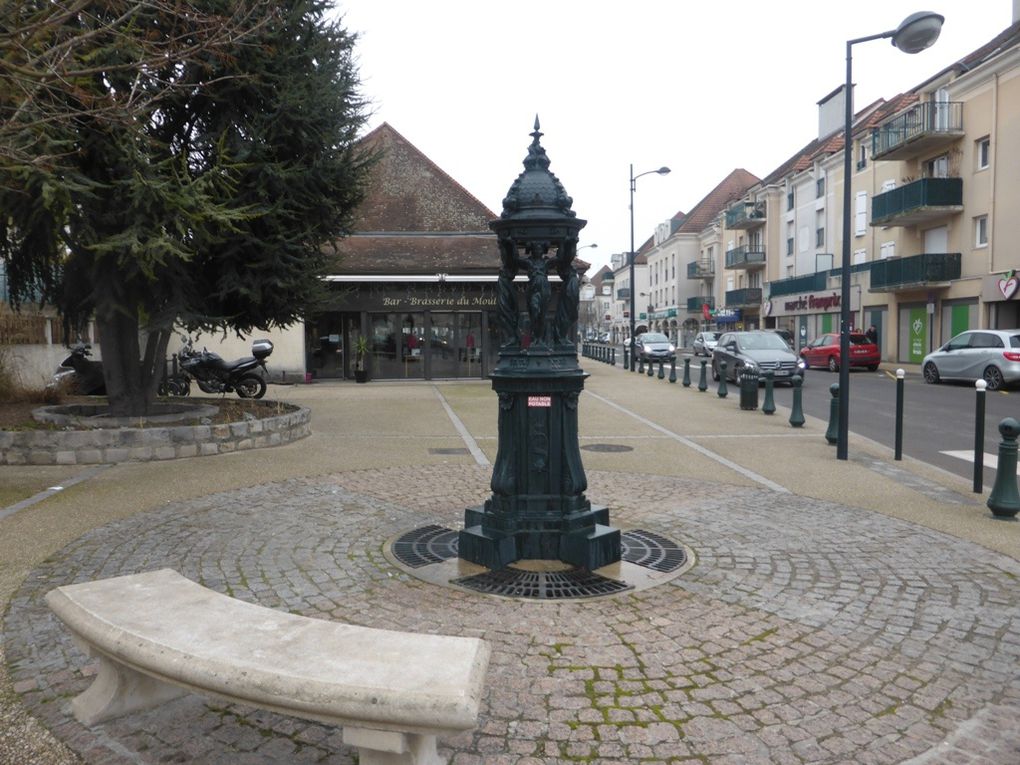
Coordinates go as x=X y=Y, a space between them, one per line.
x=397 y=298
x=539 y=401
x=726 y=315
x=827 y=303
x=999 y=287
x=918 y=335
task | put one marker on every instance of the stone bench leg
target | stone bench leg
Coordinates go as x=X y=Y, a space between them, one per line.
x=387 y=747
x=119 y=690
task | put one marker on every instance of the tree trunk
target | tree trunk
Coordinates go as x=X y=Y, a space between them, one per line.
x=131 y=381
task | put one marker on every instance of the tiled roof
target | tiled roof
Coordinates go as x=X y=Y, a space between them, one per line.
x=729 y=190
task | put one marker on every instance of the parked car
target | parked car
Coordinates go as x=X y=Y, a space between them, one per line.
x=704 y=343
x=654 y=346
x=824 y=352
x=991 y=354
x=760 y=350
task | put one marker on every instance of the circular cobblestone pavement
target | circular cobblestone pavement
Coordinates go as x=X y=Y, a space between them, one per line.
x=806 y=632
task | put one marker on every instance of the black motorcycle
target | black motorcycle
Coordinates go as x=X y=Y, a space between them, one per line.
x=214 y=375
x=78 y=374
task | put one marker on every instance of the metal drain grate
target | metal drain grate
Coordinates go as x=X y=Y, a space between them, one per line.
x=645 y=548
x=542 y=585
x=607 y=448
x=448 y=450
x=429 y=544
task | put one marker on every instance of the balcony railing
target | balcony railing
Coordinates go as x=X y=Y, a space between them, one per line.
x=919 y=130
x=917 y=202
x=745 y=215
x=749 y=296
x=815 y=282
x=746 y=256
x=929 y=269
x=694 y=303
x=623 y=293
x=700 y=269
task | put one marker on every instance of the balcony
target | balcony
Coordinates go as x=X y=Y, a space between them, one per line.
x=745 y=298
x=815 y=282
x=745 y=215
x=922 y=129
x=701 y=269
x=623 y=293
x=925 y=271
x=694 y=303
x=923 y=200
x=747 y=256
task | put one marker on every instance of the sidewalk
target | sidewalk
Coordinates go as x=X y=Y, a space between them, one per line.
x=859 y=611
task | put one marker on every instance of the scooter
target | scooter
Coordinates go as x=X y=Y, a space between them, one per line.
x=214 y=375
x=77 y=374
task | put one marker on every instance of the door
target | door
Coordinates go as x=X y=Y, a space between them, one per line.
x=455 y=345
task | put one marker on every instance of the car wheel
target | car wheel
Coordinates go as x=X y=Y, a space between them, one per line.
x=872 y=367
x=931 y=373
x=833 y=364
x=993 y=376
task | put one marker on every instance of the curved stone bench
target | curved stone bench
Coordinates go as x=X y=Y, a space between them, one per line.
x=158 y=635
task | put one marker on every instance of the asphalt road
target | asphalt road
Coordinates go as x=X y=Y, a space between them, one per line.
x=936 y=419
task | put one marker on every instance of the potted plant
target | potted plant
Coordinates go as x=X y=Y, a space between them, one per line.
x=360 y=353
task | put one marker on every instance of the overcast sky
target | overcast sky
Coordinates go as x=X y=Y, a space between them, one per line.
x=701 y=87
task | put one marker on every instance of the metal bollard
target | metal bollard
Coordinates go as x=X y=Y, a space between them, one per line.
x=1004 y=501
x=832 y=433
x=797 y=409
x=672 y=370
x=626 y=360
x=641 y=366
x=898 y=451
x=748 y=389
x=687 y=372
x=612 y=356
x=979 y=436
x=703 y=380
x=651 y=367
x=769 y=404
x=722 y=392
x=661 y=375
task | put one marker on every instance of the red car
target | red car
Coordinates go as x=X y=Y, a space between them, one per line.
x=824 y=352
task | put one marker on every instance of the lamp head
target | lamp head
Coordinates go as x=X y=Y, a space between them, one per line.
x=663 y=170
x=918 y=31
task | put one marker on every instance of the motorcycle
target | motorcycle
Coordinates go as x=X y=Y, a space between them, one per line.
x=77 y=374
x=214 y=375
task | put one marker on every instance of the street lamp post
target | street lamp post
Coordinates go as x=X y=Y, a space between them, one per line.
x=915 y=33
x=633 y=287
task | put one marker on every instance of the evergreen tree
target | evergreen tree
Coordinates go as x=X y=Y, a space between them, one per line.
x=200 y=187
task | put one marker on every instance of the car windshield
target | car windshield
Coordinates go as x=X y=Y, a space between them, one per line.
x=766 y=341
x=654 y=337
x=710 y=335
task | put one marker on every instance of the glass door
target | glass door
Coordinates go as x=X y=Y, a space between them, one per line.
x=455 y=345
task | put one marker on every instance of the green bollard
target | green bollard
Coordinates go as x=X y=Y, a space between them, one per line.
x=687 y=373
x=797 y=409
x=703 y=380
x=672 y=370
x=662 y=375
x=626 y=360
x=768 y=406
x=651 y=367
x=1004 y=501
x=641 y=366
x=612 y=356
x=832 y=433
x=722 y=392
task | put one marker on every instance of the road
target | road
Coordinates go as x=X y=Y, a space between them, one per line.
x=937 y=418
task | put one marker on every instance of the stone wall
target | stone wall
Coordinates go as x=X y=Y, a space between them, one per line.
x=109 y=445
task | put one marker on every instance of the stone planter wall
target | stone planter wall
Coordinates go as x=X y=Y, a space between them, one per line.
x=109 y=445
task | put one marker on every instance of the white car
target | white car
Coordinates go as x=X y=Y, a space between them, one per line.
x=704 y=343
x=989 y=354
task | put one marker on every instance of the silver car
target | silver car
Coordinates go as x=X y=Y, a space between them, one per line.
x=989 y=354
x=704 y=343
x=757 y=350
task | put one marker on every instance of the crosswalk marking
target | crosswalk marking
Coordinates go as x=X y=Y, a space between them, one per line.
x=989 y=460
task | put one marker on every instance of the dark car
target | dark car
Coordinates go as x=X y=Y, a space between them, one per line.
x=654 y=346
x=759 y=350
x=824 y=352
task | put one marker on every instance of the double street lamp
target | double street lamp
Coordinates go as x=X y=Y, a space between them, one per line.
x=915 y=33
x=631 y=255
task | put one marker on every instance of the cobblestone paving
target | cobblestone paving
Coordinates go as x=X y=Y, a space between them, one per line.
x=807 y=632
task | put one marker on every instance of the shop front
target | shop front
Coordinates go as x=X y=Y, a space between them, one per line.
x=811 y=314
x=415 y=330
